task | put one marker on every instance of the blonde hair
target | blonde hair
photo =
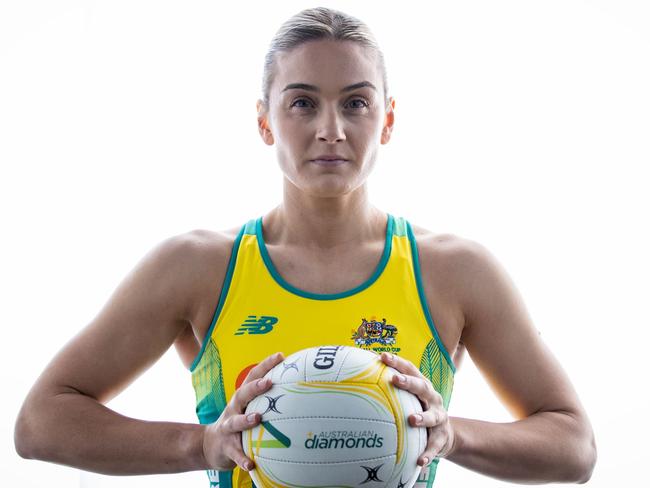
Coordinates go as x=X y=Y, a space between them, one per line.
x=314 y=24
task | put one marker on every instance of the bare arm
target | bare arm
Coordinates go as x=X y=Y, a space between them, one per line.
x=552 y=439
x=64 y=420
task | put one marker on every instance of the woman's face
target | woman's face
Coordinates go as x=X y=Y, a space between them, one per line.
x=326 y=98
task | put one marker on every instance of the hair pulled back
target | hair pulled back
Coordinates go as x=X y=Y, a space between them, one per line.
x=316 y=24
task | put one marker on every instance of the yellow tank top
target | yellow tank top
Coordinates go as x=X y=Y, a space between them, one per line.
x=259 y=313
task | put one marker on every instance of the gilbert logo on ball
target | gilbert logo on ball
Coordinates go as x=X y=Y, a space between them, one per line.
x=334 y=419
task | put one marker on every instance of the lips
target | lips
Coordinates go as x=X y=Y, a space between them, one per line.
x=328 y=162
x=329 y=157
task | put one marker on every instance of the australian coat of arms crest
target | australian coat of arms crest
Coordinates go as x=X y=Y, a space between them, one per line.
x=374 y=332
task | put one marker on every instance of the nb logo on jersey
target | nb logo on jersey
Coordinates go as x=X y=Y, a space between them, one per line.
x=257 y=325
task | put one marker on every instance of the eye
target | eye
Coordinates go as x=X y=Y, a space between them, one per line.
x=296 y=103
x=300 y=100
x=364 y=103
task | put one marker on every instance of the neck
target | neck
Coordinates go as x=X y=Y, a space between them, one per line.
x=324 y=223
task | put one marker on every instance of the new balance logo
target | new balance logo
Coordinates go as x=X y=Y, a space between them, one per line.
x=257 y=325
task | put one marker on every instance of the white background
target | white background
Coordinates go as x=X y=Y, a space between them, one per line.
x=522 y=125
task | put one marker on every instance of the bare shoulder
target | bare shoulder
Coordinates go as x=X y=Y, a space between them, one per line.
x=474 y=276
x=204 y=254
x=462 y=271
x=449 y=256
x=200 y=243
x=446 y=269
x=440 y=242
x=198 y=240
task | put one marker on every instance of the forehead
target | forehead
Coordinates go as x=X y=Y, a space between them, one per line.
x=327 y=64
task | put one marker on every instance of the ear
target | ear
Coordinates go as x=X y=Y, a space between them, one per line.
x=389 y=119
x=263 y=123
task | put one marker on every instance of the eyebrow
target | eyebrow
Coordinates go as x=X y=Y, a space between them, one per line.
x=305 y=86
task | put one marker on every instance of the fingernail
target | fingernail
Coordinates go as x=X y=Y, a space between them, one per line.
x=248 y=466
x=418 y=418
x=401 y=378
x=250 y=417
x=262 y=382
x=425 y=461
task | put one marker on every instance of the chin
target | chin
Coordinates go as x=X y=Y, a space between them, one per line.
x=331 y=190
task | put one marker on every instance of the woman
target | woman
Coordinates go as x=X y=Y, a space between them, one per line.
x=321 y=264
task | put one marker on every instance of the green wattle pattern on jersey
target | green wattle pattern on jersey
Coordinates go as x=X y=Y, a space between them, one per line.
x=435 y=367
x=207 y=380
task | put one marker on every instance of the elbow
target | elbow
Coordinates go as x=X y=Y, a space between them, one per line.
x=28 y=430
x=586 y=457
x=23 y=439
x=590 y=463
x=576 y=453
x=579 y=452
x=585 y=472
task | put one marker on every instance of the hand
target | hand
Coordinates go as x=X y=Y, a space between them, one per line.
x=222 y=446
x=440 y=439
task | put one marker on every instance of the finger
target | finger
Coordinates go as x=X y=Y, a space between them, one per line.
x=237 y=455
x=263 y=367
x=406 y=383
x=438 y=439
x=240 y=422
x=421 y=387
x=400 y=364
x=246 y=392
x=428 y=418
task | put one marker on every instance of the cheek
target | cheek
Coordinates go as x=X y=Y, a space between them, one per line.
x=291 y=131
x=368 y=129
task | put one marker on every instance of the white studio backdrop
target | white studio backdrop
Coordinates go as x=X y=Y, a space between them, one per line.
x=521 y=125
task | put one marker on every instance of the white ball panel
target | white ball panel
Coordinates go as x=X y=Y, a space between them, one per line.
x=357 y=361
x=291 y=370
x=328 y=475
x=299 y=400
x=324 y=362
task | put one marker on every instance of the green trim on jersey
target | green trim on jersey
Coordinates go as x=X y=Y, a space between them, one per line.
x=325 y=296
x=423 y=300
x=222 y=298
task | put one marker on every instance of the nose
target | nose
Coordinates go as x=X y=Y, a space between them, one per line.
x=330 y=126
